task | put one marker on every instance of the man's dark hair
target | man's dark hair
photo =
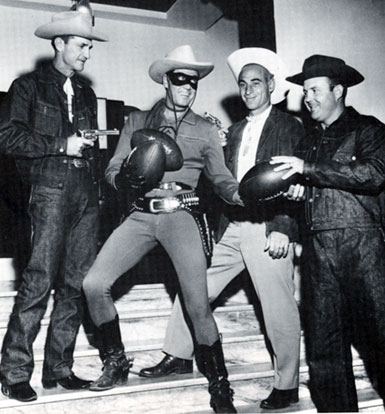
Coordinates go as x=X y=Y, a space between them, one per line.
x=65 y=39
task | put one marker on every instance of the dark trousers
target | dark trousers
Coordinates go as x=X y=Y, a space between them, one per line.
x=64 y=243
x=344 y=305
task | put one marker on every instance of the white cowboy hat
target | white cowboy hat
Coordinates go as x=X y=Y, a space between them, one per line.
x=180 y=58
x=74 y=23
x=266 y=58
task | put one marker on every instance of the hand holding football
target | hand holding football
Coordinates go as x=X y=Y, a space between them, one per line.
x=261 y=183
x=174 y=157
x=147 y=160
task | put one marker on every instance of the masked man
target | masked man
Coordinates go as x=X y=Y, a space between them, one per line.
x=173 y=227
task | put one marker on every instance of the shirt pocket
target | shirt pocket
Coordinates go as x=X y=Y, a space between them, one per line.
x=346 y=152
x=192 y=147
x=47 y=120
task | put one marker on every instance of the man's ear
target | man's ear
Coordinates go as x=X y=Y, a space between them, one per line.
x=165 y=81
x=271 y=85
x=338 y=92
x=59 y=44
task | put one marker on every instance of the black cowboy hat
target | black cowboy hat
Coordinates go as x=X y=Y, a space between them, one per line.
x=320 y=65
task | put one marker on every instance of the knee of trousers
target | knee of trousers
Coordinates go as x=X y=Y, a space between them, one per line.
x=94 y=288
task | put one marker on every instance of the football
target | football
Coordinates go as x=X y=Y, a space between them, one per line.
x=174 y=157
x=261 y=183
x=148 y=160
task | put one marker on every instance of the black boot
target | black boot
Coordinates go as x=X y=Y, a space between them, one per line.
x=115 y=364
x=211 y=364
x=168 y=365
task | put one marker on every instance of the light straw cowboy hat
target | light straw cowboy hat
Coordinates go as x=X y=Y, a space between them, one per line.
x=181 y=57
x=266 y=58
x=75 y=23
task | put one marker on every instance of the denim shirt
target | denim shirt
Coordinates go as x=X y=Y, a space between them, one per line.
x=199 y=142
x=34 y=125
x=345 y=167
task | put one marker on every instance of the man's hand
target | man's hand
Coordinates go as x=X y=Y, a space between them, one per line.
x=75 y=145
x=295 y=193
x=294 y=165
x=237 y=199
x=277 y=244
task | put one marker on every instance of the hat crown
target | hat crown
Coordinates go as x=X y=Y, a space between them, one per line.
x=72 y=15
x=182 y=53
x=182 y=57
x=76 y=23
x=262 y=57
x=317 y=66
x=329 y=63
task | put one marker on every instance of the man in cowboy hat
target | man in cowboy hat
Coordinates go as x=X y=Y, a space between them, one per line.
x=153 y=221
x=258 y=238
x=40 y=118
x=342 y=161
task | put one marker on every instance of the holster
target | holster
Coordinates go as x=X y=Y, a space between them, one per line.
x=188 y=202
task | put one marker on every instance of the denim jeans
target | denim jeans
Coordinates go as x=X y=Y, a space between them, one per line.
x=344 y=294
x=64 y=243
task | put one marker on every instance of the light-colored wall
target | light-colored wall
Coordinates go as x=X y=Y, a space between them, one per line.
x=353 y=30
x=119 y=68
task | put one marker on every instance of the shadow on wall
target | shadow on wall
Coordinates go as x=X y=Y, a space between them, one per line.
x=234 y=108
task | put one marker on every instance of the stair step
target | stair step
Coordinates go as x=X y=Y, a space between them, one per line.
x=180 y=394
x=139 y=302
x=144 y=311
x=149 y=331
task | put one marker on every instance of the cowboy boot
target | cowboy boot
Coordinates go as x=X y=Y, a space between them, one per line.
x=211 y=364
x=115 y=364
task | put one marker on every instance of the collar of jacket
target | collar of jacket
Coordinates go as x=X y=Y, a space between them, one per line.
x=190 y=118
x=237 y=128
x=49 y=74
x=345 y=124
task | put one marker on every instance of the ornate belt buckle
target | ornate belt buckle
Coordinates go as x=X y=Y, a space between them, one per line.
x=163 y=205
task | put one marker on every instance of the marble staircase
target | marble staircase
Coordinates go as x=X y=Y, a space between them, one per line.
x=144 y=312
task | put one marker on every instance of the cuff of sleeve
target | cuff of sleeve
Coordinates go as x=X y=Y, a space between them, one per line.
x=114 y=182
x=308 y=170
x=60 y=146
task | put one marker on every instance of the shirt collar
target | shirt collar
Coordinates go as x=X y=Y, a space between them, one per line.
x=260 y=117
x=50 y=74
x=346 y=123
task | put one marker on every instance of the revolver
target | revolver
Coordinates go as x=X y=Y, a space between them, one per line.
x=213 y=119
x=221 y=131
x=93 y=134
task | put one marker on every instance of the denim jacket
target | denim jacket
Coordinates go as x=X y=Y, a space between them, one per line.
x=34 y=125
x=345 y=167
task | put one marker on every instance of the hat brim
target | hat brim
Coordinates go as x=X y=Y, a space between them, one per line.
x=350 y=76
x=162 y=66
x=63 y=28
x=269 y=60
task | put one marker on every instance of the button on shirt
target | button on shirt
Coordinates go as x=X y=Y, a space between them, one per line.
x=250 y=140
